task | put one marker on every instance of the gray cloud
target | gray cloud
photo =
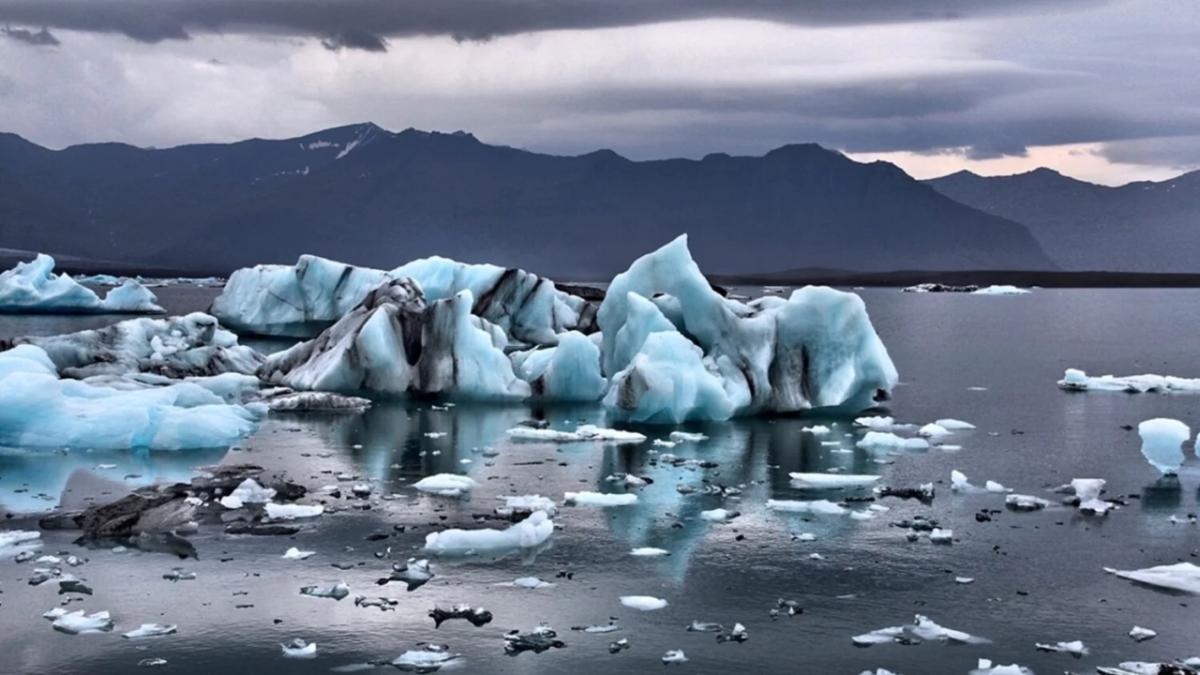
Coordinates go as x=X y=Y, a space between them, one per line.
x=41 y=38
x=363 y=24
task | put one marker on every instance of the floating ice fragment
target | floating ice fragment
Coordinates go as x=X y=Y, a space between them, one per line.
x=674 y=656
x=816 y=430
x=1179 y=576
x=538 y=640
x=878 y=636
x=426 y=660
x=446 y=484
x=296 y=648
x=337 y=591
x=530 y=583
x=985 y=667
x=415 y=573
x=33 y=287
x=529 y=533
x=476 y=616
x=832 y=480
x=1161 y=441
x=1088 y=490
x=79 y=623
x=1140 y=634
x=599 y=499
x=293 y=511
x=951 y=424
x=524 y=505
x=151 y=630
x=649 y=552
x=15 y=542
x=932 y=430
x=294 y=553
x=815 y=506
x=1001 y=289
x=718 y=515
x=1077 y=380
x=644 y=603
x=1075 y=648
x=885 y=441
x=964 y=580
x=941 y=536
x=926 y=629
x=152 y=662
x=687 y=437
x=875 y=422
x=583 y=433
x=1025 y=503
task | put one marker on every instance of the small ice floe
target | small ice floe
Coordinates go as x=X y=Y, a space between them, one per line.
x=529 y=583
x=79 y=623
x=426 y=660
x=151 y=630
x=380 y=603
x=1075 y=648
x=831 y=480
x=686 y=437
x=1140 y=634
x=941 y=536
x=293 y=511
x=337 y=591
x=951 y=424
x=933 y=430
x=152 y=662
x=1184 y=667
x=660 y=443
x=985 y=667
x=886 y=441
x=1078 y=380
x=1025 y=503
x=804 y=536
x=879 y=636
x=529 y=533
x=602 y=499
x=785 y=606
x=875 y=423
x=674 y=656
x=1162 y=439
x=538 y=640
x=609 y=627
x=959 y=483
x=814 y=506
x=649 y=552
x=360 y=490
x=926 y=629
x=644 y=603
x=294 y=553
x=525 y=505
x=618 y=646
x=316 y=402
x=816 y=430
x=718 y=515
x=704 y=627
x=586 y=432
x=15 y=542
x=1001 y=289
x=964 y=580
x=297 y=648
x=1189 y=519
x=476 y=616
x=446 y=484
x=248 y=492
x=736 y=634
x=416 y=573
x=179 y=574
x=1177 y=577
x=1088 y=490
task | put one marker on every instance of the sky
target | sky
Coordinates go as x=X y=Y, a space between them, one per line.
x=1105 y=91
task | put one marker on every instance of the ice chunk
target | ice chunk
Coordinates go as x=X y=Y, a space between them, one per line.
x=1179 y=576
x=985 y=667
x=1088 y=490
x=316 y=401
x=599 y=499
x=644 y=603
x=414 y=572
x=1025 y=503
x=642 y=318
x=337 y=591
x=816 y=506
x=446 y=484
x=39 y=410
x=927 y=629
x=718 y=515
x=294 y=553
x=1161 y=443
x=875 y=422
x=586 y=432
x=151 y=630
x=951 y=424
x=941 y=536
x=79 y=623
x=932 y=430
x=1140 y=634
x=529 y=583
x=297 y=648
x=476 y=616
x=1078 y=380
x=1075 y=648
x=248 y=492
x=537 y=640
x=569 y=371
x=293 y=511
x=816 y=349
x=885 y=441
x=816 y=430
x=667 y=382
x=529 y=533
x=1002 y=289
x=33 y=287
x=525 y=505
x=446 y=350
x=686 y=437
x=831 y=480
x=426 y=660
x=649 y=552
x=878 y=636
x=674 y=656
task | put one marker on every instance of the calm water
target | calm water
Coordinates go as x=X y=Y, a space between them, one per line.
x=1038 y=576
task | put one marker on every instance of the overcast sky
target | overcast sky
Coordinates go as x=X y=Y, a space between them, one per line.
x=1105 y=91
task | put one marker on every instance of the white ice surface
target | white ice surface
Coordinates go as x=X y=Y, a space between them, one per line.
x=34 y=287
x=1161 y=443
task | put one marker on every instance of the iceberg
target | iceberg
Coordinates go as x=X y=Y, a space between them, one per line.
x=1177 y=577
x=177 y=347
x=569 y=371
x=393 y=343
x=817 y=349
x=529 y=533
x=303 y=299
x=40 y=410
x=1078 y=380
x=33 y=287
x=1162 y=441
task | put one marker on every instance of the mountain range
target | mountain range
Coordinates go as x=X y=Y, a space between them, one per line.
x=367 y=195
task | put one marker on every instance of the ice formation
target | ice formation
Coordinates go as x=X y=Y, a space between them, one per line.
x=1078 y=380
x=294 y=553
x=33 y=287
x=582 y=433
x=985 y=667
x=951 y=424
x=886 y=441
x=39 y=410
x=644 y=603
x=446 y=484
x=395 y=343
x=526 y=504
x=649 y=552
x=247 y=492
x=151 y=630
x=831 y=480
x=599 y=499
x=1075 y=648
x=193 y=345
x=529 y=533
x=80 y=622
x=1178 y=577
x=1025 y=503
x=301 y=300
x=293 y=511
x=815 y=506
x=568 y=371
x=1002 y=289
x=1162 y=441
x=1088 y=490
x=816 y=349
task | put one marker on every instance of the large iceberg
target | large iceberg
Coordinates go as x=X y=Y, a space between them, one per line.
x=176 y=347
x=39 y=410
x=817 y=349
x=33 y=287
x=393 y=343
x=303 y=299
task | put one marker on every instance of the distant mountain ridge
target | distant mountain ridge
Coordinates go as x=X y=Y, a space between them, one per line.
x=370 y=196
x=1143 y=226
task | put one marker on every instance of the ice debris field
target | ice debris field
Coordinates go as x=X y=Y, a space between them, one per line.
x=658 y=347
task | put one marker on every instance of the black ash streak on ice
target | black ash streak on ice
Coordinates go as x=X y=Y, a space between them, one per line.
x=590 y=570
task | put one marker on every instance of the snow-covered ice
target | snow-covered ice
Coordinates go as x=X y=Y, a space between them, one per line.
x=1162 y=441
x=33 y=287
x=1075 y=648
x=294 y=553
x=1088 y=490
x=649 y=552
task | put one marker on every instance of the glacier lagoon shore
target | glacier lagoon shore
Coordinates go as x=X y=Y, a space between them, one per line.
x=867 y=576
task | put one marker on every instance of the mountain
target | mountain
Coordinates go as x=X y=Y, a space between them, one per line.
x=366 y=195
x=1144 y=226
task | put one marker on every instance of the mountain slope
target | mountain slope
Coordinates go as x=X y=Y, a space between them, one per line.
x=366 y=195
x=1144 y=226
